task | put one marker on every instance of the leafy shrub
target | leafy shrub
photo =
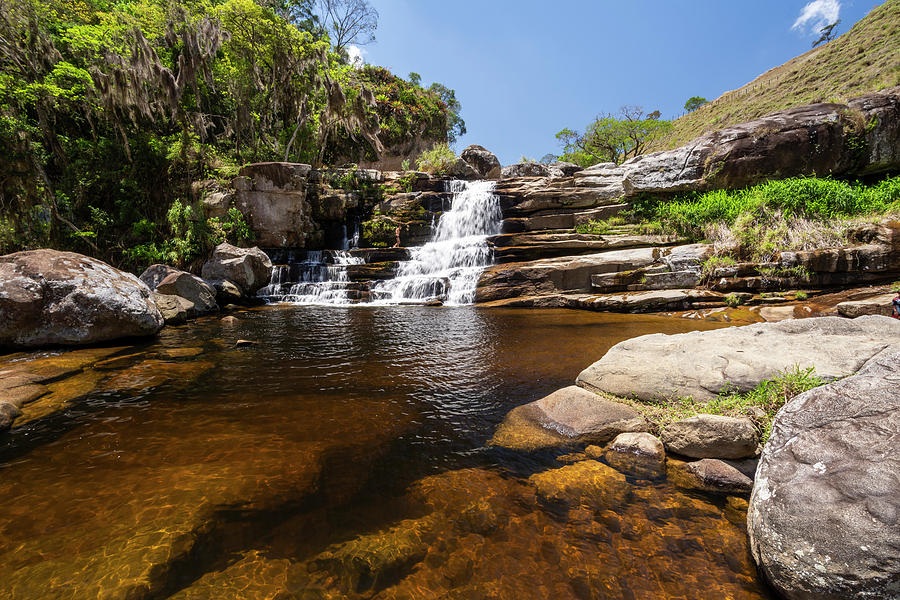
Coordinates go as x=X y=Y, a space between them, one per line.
x=436 y=161
x=734 y=300
x=801 y=296
x=379 y=232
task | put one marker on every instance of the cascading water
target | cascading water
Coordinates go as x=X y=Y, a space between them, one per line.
x=448 y=267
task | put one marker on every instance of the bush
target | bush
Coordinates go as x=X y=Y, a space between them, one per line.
x=734 y=300
x=379 y=232
x=436 y=161
x=801 y=296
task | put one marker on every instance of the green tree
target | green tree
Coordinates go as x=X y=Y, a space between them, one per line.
x=613 y=138
x=456 y=126
x=827 y=33
x=694 y=102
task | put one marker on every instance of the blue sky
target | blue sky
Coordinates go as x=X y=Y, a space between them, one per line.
x=524 y=69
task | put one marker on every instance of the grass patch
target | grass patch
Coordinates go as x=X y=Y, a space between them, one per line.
x=600 y=226
x=759 y=404
x=436 y=161
x=756 y=223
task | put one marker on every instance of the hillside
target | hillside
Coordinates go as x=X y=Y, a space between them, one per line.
x=865 y=59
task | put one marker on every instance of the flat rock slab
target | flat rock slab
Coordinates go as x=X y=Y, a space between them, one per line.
x=702 y=364
x=567 y=416
x=824 y=518
x=879 y=305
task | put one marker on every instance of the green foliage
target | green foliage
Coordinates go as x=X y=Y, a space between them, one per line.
x=798 y=272
x=734 y=300
x=694 y=102
x=711 y=264
x=613 y=138
x=437 y=160
x=767 y=218
x=379 y=232
x=407 y=182
x=404 y=164
x=759 y=404
x=599 y=226
x=801 y=296
x=110 y=111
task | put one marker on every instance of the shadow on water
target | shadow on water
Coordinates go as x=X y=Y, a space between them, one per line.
x=344 y=456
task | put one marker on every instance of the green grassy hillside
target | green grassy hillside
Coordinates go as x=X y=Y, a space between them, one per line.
x=865 y=59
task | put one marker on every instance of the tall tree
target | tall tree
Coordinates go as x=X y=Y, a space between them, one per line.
x=348 y=22
x=694 y=102
x=456 y=127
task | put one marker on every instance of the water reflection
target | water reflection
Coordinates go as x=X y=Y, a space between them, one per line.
x=341 y=456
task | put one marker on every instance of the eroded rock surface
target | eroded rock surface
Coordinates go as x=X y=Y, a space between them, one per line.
x=248 y=268
x=702 y=364
x=51 y=297
x=823 y=518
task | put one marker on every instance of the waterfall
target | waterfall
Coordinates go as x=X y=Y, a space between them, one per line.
x=313 y=280
x=448 y=267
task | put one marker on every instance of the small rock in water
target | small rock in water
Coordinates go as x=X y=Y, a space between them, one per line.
x=245 y=343
x=640 y=453
x=229 y=320
x=434 y=303
x=710 y=475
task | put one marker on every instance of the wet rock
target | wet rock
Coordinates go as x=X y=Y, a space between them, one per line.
x=254 y=577
x=370 y=562
x=649 y=301
x=245 y=344
x=154 y=274
x=585 y=482
x=879 y=305
x=710 y=475
x=172 y=308
x=639 y=452
x=567 y=416
x=554 y=275
x=483 y=161
x=712 y=436
x=247 y=268
x=463 y=170
x=229 y=320
x=823 y=518
x=201 y=296
x=51 y=297
x=227 y=293
x=702 y=364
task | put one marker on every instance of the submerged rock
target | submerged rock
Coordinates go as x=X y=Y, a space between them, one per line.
x=639 y=453
x=567 y=416
x=704 y=363
x=587 y=482
x=712 y=436
x=51 y=297
x=825 y=510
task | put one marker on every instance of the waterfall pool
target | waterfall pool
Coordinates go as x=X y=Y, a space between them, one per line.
x=343 y=455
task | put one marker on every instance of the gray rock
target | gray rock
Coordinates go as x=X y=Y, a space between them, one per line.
x=824 y=517
x=879 y=305
x=712 y=436
x=227 y=292
x=463 y=170
x=701 y=364
x=156 y=273
x=248 y=268
x=712 y=475
x=200 y=295
x=482 y=160
x=273 y=199
x=687 y=258
x=172 y=308
x=569 y=415
x=525 y=169
x=52 y=297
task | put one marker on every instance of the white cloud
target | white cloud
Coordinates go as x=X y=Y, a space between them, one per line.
x=355 y=54
x=817 y=14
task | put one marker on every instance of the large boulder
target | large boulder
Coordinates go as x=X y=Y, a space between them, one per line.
x=248 y=268
x=52 y=297
x=482 y=160
x=273 y=198
x=824 y=517
x=201 y=296
x=154 y=274
x=569 y=415
x=702 y=364
x=879 y=305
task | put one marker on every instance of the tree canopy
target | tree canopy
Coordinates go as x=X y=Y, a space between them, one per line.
x=109 y=111
x=694 y=102
x=613 y=137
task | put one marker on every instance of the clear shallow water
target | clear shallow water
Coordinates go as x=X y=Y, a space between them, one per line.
x=342 y=456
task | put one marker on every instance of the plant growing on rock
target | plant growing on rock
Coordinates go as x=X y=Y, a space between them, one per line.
x=437 y=160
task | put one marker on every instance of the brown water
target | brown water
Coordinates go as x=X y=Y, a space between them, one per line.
x=342 y=457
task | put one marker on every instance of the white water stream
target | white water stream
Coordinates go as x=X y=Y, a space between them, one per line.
x=447 y=268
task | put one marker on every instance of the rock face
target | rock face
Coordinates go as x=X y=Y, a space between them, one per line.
x=483 y=161
x=710 y=475
x=248 y=268
x=155 y=274
x=823 y=518
x=712 y=436
x=570 y=415
x=172 y=308
x=879 y=305
x=273 y=199
x=702 y=364
x=52 y=297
